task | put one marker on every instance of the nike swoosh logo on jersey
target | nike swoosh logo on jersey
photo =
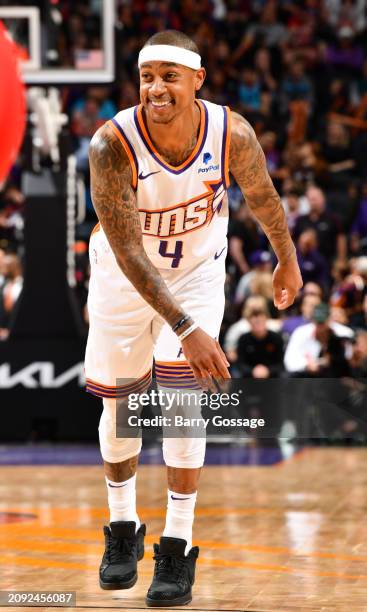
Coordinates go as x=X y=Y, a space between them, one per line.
x=179 y=498
x=217 y=255
x=144 y=176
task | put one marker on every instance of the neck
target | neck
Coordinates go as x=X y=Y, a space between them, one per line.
x=176 y=140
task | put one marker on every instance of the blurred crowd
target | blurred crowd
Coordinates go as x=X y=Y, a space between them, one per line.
x=297 y=70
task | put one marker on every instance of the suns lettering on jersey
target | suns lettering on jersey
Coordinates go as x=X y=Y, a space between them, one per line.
x=184 y=217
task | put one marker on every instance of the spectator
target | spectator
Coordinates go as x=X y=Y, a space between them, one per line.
x=359 y=358
x=308 y=303
x=317 y=348
x=88 y=115
x=244 y=239
x=358 y=239
x=242 y=326
x=260 y=350
x=294 y=206
x=313 y=265
x=9 y=291
x=260 y=261
x=249 y=91
x=331 y=238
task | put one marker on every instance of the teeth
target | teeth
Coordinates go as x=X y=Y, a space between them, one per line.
x=160 y=103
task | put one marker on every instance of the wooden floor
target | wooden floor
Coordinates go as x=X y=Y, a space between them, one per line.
x=288 y=537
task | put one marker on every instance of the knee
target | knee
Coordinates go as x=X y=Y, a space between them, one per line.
x=113 y=449
x=184 y=452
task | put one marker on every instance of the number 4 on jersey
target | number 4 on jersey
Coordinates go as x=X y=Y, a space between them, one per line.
x=176 y=255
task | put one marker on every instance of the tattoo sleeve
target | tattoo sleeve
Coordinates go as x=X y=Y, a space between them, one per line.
x=115 y=203
x=248 y=166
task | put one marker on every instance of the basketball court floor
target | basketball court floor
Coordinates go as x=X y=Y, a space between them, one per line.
x=279 y=537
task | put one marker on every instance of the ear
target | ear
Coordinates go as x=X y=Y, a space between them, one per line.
x=199 y=78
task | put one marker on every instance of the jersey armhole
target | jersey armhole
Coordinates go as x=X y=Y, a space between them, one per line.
x=128 y=150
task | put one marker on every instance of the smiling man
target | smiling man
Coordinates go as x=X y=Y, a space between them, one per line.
x=159 y=177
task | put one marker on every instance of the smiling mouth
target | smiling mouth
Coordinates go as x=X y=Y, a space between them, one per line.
x=161 y=104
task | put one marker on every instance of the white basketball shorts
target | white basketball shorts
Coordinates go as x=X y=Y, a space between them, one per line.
x=125 y=331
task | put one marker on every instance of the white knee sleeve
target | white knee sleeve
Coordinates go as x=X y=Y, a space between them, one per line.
x=114 y=450
x=184 y=452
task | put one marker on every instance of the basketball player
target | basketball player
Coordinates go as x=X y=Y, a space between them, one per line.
x=159 y=175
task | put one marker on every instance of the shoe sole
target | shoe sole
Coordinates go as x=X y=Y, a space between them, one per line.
x=119 y=586
x=168 y=603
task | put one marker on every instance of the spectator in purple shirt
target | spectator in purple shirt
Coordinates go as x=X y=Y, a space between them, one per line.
x=345 y=55
x=358 y=240
x=312 y=264
x=307 y=306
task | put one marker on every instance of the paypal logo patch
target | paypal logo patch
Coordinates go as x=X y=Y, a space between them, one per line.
x=206 y=159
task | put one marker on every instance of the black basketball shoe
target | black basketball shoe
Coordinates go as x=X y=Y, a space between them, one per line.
x=174 y=574
x=123 y=550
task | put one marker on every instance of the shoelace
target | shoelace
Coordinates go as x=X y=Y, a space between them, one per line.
x=169 y=567
x=117 y=548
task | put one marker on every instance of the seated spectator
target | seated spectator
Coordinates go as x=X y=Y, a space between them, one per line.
x=262 y=284
x=358 y=239
x=308 y=303
x=9 y=291
x=312 y=289
x=260 y=261
x=346 y=55
x=338 y=154
x=317 y=348
x=260 y=350
x=88 y=114
x=264 y=69
x=244 y=239
x=2 y=267
x=268 y=31
x=312 y=263
x=268 y=142
x=350 y=286
x=249 y=91
x=359 y=357
x=11 y=217
x=294 y=206
x=331 y=238
x=236 y=330
x=296 y=86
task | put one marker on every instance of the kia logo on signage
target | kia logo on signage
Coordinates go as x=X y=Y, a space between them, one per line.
x=40 y=375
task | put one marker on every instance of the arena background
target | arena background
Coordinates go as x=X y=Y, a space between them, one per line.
x=297 y=70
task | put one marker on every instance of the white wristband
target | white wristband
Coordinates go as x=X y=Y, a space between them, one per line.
x=188 y=331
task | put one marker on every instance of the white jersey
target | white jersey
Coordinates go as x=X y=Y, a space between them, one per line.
x=183 y=209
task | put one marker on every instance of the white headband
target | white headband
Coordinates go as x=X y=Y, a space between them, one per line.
x=169 y=53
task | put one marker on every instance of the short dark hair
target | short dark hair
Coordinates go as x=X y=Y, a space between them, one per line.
x=172 y=37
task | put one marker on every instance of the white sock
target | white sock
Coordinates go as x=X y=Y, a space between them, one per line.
x=122 y=500
x=180 y=517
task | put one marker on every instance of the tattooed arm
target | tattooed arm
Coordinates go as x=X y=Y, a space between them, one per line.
x=248 y=166
x=115 y=203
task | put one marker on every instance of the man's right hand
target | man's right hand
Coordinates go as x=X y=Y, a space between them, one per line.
x=206 y=359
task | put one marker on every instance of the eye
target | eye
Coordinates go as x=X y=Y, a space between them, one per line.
x=171 y=75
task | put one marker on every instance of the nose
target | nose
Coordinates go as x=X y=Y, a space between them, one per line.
x=157 y=87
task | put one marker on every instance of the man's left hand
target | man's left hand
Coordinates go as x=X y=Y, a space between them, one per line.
x=287 y=281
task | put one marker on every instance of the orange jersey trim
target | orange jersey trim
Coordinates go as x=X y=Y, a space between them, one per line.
x=95 y=229
x=134 y=181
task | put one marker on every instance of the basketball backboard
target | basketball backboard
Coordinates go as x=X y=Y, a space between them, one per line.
x=63 y=41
